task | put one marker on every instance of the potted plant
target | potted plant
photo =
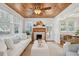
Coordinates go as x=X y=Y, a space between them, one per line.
x=28 y=33
x=77 y=32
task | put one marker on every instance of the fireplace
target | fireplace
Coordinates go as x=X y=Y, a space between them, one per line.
x=39 y=36
x=38 y=33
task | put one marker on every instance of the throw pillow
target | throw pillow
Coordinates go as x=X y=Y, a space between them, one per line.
x=23 y=37
x=16 y=40
x=78 y=52
x=9 y=43
x=3 y=48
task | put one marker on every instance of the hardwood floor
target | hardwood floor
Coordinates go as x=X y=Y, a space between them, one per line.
x=27 y=51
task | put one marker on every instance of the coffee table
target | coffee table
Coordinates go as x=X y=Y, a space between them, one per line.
x=39 y=51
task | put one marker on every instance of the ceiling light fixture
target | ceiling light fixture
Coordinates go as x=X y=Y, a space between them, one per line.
x=37 y=11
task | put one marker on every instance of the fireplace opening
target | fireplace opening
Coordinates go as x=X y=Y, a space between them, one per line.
x=39 y=36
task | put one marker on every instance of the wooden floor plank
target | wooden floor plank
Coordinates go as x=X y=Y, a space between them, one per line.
x=27 y=51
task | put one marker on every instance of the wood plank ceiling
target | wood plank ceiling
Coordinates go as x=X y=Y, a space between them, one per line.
x=27 y=9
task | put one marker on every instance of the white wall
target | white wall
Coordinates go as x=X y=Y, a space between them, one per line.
x=47 y=21
x=55 y=34
x=56 y=30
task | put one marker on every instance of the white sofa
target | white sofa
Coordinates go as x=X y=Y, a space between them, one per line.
x=71 y=49
x=18 y=47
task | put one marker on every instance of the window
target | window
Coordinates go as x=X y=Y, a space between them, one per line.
x=67 y=25
x=4 y=22
x=16 y=26
x=71 y=26
x=9 y=23
x=63 y=26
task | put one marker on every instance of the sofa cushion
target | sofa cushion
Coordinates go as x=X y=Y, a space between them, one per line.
x=3 y=48
x=18 y=48
x=9 y=43
x=78 y=52
x=24 y=36
x=69 y=53
x=3 y=53
x=73 y=47
x=19 y=38
x=16 y=39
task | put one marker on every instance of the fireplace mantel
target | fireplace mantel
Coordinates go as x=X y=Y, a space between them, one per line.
x=38 y=30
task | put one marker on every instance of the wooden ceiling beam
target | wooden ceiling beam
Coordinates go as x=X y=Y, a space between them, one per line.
x=56 y=8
